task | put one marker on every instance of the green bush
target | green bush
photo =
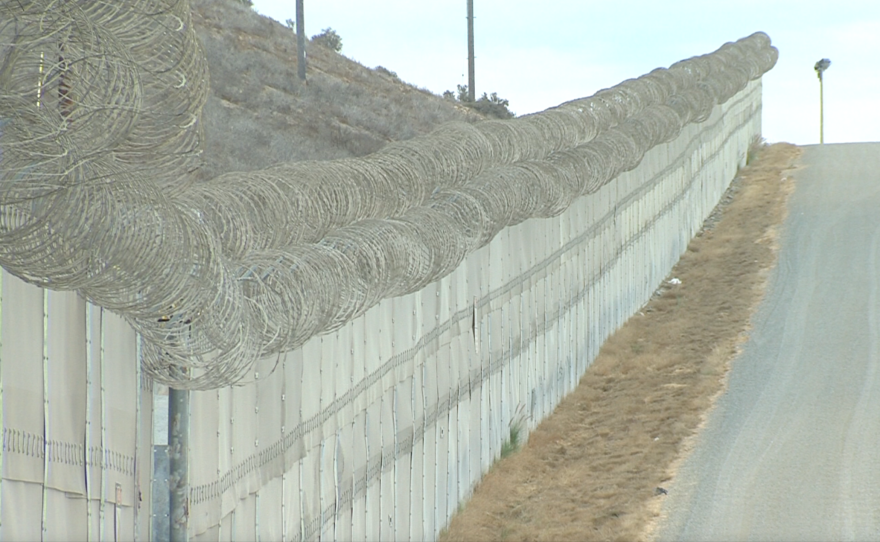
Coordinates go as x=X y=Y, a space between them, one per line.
x=328 y=38
x=493 y=106
x=490 y=105
x=512 y=443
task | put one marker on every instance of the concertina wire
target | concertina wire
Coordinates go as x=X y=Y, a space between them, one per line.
x=100 y=135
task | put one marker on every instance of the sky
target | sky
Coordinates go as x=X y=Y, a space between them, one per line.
x=540 y=54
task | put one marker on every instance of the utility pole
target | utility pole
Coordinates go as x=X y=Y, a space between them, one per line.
x=300 y=41
x=820 y=68
x=470 y=23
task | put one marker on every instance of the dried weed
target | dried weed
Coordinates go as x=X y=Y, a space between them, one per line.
x=594 y=469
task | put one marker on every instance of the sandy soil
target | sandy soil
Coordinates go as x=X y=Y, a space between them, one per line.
x=595 y=469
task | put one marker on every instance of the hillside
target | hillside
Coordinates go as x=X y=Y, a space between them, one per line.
x=259 y=113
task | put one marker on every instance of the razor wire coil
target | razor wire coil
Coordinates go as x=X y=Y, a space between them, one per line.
x=99 y=134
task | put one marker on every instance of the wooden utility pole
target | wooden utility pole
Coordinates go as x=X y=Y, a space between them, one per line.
x=300 y=40
x=470 y=22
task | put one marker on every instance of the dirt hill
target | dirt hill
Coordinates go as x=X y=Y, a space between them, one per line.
x=259 y=113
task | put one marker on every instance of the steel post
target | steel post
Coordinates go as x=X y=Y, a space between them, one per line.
x=178 y=448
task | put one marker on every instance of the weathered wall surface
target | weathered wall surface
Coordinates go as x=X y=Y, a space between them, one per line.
x=76 y=420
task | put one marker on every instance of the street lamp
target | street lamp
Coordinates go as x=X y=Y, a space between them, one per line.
x=820 y=67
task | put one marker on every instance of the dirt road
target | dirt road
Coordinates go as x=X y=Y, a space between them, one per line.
x=792 y=449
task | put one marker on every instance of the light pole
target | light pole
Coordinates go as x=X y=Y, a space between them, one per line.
x=820 y=67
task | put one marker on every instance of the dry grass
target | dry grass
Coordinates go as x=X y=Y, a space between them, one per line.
x=591 y=470
x=259 y=113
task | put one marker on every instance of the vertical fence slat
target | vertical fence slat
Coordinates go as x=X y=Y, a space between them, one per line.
x=46 y=450
x=137 y=439
x=102 y=461
x=87 y=465
x=2 y=419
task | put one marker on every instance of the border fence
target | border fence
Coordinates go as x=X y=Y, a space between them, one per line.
x=382 y=342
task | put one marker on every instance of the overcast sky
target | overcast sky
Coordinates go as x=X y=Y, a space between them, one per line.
x=538 y=54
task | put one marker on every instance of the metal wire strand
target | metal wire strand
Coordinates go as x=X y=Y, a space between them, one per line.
x=99 y=133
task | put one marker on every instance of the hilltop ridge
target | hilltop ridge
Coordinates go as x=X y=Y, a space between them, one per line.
x=259 y=113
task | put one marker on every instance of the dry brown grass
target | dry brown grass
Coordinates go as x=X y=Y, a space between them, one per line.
x=259 y=113
x=590 y=470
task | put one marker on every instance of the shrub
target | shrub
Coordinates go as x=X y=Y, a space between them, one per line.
x=493 y=106
x=512 y=443
x=386 y=71
x=328 y=38
x=248 y=3
x=758 y=144
x=490 y=105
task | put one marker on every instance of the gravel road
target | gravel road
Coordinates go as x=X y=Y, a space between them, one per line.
x=792 y=449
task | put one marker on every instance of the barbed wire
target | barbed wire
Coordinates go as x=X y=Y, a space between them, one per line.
x=100 y=132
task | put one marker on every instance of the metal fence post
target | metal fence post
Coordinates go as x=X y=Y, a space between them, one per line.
x=178 y=448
